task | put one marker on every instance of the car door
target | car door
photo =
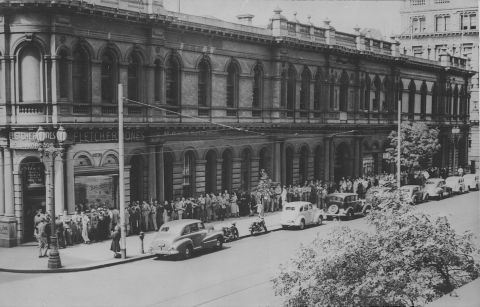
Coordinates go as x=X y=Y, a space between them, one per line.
x=196 y=235
x=309 y=213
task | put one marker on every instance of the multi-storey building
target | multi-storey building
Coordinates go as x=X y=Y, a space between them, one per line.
x=299 y=100
x=430 y=25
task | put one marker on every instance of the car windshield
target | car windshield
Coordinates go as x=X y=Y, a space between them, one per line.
x=290 y=208
x=169 y=228
x=335 y=199
x=405 y=190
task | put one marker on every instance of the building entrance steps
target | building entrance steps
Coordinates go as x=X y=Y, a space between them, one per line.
x=83 y=257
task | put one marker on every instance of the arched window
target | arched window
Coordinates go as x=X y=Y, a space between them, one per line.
x=455 y=101
x=434 y=99
x=411 y=99
x=462 y=101
x=189 y=165
x=283 y=89
x=245 y=170
x=303 y=165
x=157 y=81
x=30 y=74
x=233 y=76
x=63 y=75
x=423 y=99
x=317 y=92
x=448 y=101
x=377 y=88
x=362 y=95
x=332 y=93
x=305 y=92
x=387 y=101
x=133 y=75
x=172 y=81
x=109 y=77
x=257 y=93
x=366 y=94
x=291 y=90
x=80 y=75
x=204 y=83
x=265 y=161
x=344 y=82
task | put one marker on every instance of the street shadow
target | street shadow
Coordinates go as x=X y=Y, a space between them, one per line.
x=196 y=254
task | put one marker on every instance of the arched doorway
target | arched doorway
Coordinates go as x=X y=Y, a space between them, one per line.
x=317 y=163
x=265 y=161
x=227 y=157
x=168 y=175
x=289 y=166
x=189 y=182
x=303 y=165
x=343 y=162
x=137 y=167
x=245 y=170
x=32 y=173
x=211 y=172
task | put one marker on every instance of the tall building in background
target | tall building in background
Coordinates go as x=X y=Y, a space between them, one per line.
x=430 y=25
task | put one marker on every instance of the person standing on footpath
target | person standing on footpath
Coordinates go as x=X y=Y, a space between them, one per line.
x=115 y=246
x=41 y=235
x=153 y=216
x=85 y=225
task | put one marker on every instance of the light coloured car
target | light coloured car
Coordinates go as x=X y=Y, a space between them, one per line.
x=436 y=188
x=183 y=237
x=413 y=194
x=471 y=181
x=300 y=214
x=456 y=183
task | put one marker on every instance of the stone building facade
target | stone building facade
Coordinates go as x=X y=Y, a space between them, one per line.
x=299 y=100
x=430 y=25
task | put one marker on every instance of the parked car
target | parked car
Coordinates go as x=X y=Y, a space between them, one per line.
x=183 y=237
x=471 y=181
x=436 y=188
x=413 y=194
x=456 y=183
x=346 y=205
x=300 y=214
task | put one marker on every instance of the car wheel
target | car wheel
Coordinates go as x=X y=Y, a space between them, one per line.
x=219 y=243
x=367 y=211
x=426 y=197
x=336 y=219
x=265 y=228
x=251 y=232
x=302 y=225
x=187 y=252
x=319 y=220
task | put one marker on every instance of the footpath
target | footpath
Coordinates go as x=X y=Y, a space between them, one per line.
x=84 y=257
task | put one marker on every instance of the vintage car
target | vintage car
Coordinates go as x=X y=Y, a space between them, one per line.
x=436 y=188
x=346 y=205
x=300 y=214
x=183 y=237
x=471 y=181
x=413 y=194
x=456 y=183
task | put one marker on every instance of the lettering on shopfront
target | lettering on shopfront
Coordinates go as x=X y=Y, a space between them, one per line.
x=27 y=140
x=96 y=136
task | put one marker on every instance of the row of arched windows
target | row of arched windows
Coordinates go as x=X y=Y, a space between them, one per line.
x=75 y=84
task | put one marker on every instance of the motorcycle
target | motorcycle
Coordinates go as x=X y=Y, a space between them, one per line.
x=258 y=226
x=230 y=233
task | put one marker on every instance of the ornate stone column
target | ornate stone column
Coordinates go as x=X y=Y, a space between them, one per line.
x=2 y=185
x=59 y=185
x=160 y=171
x=152 y=176
x=8 y=222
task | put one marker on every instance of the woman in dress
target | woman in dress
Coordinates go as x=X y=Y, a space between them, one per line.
x=233 y=205
x=115 y=246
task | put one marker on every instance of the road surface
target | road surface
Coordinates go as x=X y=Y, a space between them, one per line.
x=238 y=275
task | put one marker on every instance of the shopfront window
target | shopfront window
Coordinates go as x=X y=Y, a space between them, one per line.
x=96 y=191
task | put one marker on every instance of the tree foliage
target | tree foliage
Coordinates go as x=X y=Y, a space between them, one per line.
x=418 y=144
x=410 y=258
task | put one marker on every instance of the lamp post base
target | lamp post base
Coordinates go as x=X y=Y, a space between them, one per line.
x=54 y=261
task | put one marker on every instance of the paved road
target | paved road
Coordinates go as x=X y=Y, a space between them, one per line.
x=238 y=275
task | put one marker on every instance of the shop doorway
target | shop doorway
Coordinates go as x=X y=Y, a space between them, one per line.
x=289 y=166
x=227 y=166
x=168 y=175
x=343 y=162
x=137 y=174
x=33 y=186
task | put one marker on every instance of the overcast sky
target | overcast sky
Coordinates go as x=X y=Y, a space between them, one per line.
x=383 y=15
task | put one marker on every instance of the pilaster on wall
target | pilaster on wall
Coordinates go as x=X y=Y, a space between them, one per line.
x=236 y=176
x=255 y=165
x=310 y=169
x=70 y=186
x=126 y=185
x=200 y=176
x=18 y=201
x=219 y=175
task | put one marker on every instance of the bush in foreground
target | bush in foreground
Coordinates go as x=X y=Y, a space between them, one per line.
x=409 y=259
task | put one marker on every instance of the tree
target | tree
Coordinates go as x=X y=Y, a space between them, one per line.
x=409 y=259
x=418 y=144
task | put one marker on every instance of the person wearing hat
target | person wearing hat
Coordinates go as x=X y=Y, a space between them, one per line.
x=115 y=246
x=85 y=225
x=41 y=235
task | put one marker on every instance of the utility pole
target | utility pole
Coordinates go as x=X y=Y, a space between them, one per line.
x=399 y=141
x=121 y=174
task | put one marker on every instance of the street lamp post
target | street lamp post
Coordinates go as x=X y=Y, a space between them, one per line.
x=48 y=154
x=455 y=134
